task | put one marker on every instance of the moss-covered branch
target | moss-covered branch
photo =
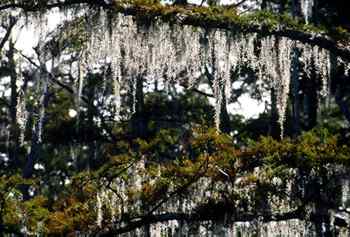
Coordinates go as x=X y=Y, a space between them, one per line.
x=194 y=217
x=263 y=23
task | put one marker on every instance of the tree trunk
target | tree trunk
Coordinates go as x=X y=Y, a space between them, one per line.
x=274 y=129
x=315 y=13
x=82 y=161
x=14 y=129
x=339 y=99
x=296 y=8
x=180 y=2
x=311 y=100
x=225 y=125
x=224 y=120
x=282 y=6
x=138 y=120
x=36 y=146
x=295 y=92
x=1 y=223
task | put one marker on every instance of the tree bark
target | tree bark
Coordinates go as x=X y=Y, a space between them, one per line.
x=14 y=129
x=193 y=217
x=225 y=123
x=311 y=86
x=296 y=8
x=138 y=120
x=274 y=126
x=339 y=99
x=339 y=87
x=295 y=92
x=36 y=146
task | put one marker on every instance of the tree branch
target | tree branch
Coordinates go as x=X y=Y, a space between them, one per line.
x=41 y=6
x=239 y=3
x=190 y=16
x=202 y=93
x=193 y=217
x=13 y=22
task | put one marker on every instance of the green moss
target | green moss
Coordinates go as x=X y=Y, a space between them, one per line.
x=215 y=16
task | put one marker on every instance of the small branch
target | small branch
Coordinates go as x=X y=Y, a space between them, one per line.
x=202 y=93
x=245 y=11
x=29 y=59
x=209 y=76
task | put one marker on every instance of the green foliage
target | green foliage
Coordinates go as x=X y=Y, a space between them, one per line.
x=209 y=154
x=11 y=207
x=36 y=213
x=312 y=149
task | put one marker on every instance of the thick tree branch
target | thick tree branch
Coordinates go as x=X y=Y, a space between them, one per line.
x=40 y=6
x=193 y=16
x=193 y=217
